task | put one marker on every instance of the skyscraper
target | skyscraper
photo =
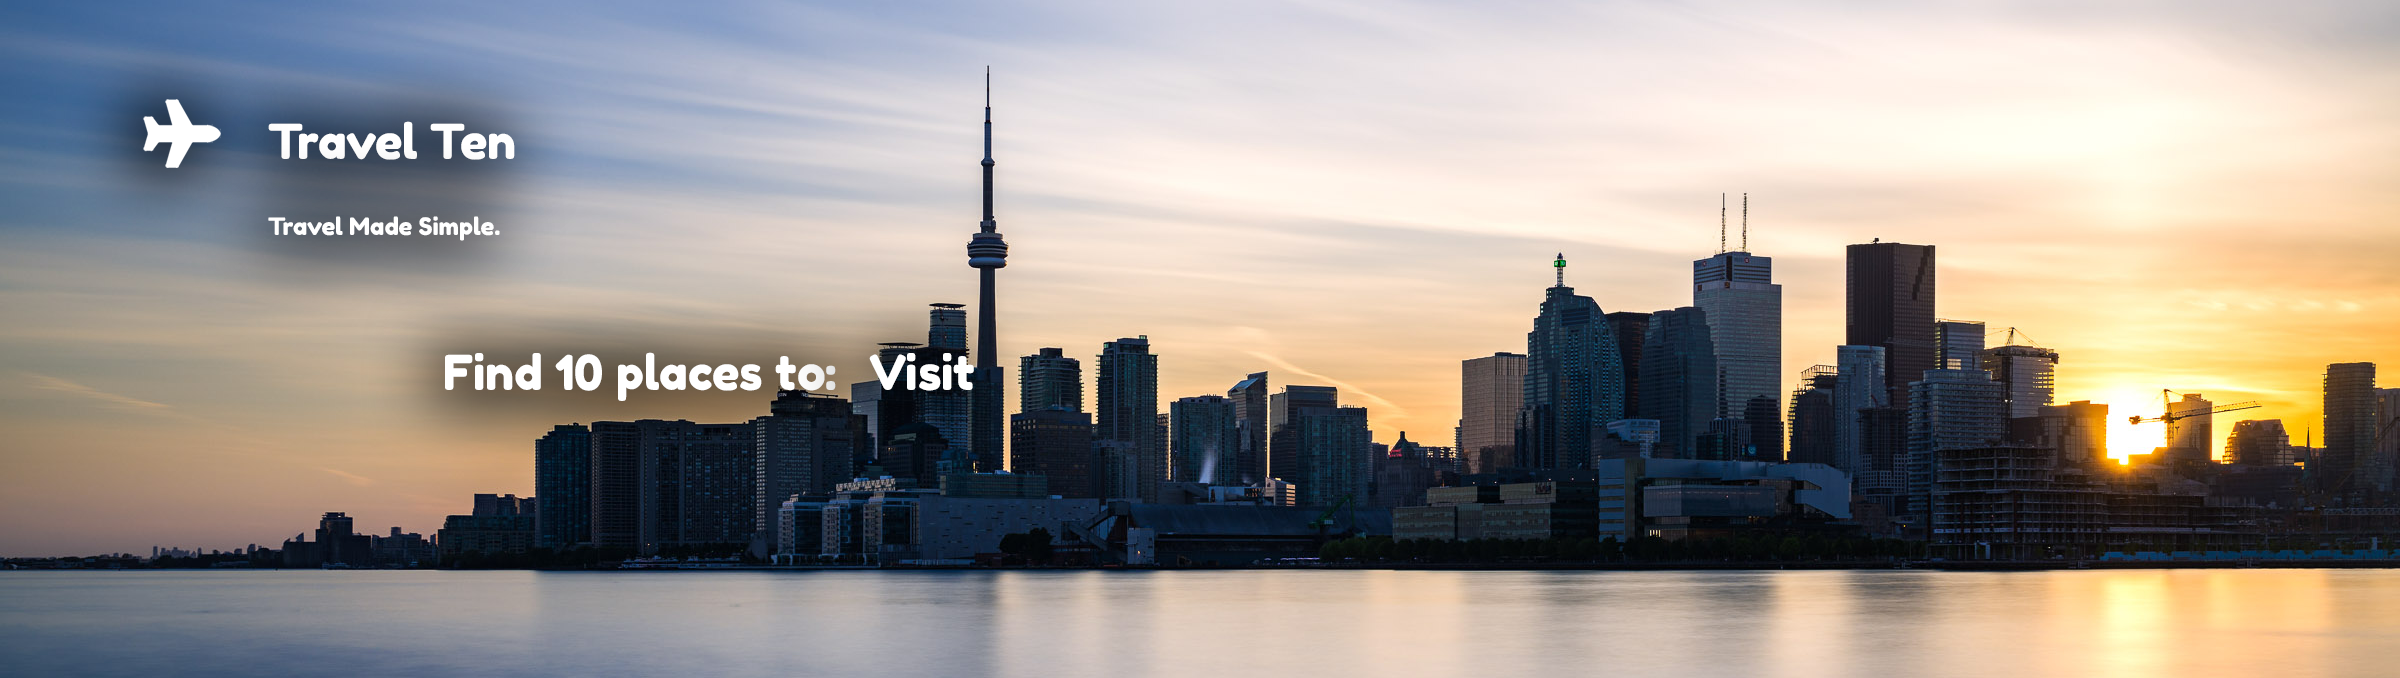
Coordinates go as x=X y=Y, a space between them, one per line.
x=562 y=487
x=950 y=411
x=1679 y=381
x=1737 y=295
x=804 y=445
x=1049 y=378
x=1890 y=304
x=2025 y=374
x=1127 y=393
x=1632 y=328
x=1960 y=342
x=1574 y=379
x=1491 y=390
x=987 y=254
x=1202 y=428
x=2349 y=430
x=2191 y=436
x=1250 y=421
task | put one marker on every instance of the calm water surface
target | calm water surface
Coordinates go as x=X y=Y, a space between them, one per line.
x=1298 y=623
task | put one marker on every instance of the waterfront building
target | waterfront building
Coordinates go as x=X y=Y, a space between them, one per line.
x=804 y=445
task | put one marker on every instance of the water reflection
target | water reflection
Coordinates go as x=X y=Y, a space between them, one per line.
x=1198 y=623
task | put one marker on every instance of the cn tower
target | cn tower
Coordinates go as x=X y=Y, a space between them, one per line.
x=987 y=253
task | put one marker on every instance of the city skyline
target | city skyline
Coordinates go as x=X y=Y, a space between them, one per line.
x=129 y=384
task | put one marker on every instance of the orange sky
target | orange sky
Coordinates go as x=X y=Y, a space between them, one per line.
x=1360 y=196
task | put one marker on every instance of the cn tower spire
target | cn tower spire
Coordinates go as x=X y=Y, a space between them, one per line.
x=989 y=224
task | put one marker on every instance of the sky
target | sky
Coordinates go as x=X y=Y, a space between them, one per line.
x=2185 y=195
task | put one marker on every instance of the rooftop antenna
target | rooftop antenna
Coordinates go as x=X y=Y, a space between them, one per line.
x=1720 y=223
x=1745 y=222
x=1561 y=265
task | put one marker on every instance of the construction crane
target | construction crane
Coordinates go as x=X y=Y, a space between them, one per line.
x=2170 y=416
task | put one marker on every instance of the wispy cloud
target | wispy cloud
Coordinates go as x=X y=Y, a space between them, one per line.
x=49 y=383
x=1390 y=408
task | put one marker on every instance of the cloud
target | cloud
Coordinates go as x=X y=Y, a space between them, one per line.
x=50 y=383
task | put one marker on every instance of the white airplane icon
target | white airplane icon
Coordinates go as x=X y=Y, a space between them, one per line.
x=179 y=133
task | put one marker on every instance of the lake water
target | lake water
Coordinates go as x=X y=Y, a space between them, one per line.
x=1196 y=623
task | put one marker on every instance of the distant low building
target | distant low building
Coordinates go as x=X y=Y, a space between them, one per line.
x=1629 y=498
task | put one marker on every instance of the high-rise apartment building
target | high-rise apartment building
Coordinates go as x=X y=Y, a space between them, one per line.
x=616 y=491
x=1889 y=303
x=696 y=484
x=2342 y=464
x=1127 y=394
x=1049 y=378
x=1491 y=391
x=562 y=487
x=2259 y=442
x=2191 y=435
x=1334 y=454
x=1574 y=380
x=1205 y=438
x=1949 y=409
